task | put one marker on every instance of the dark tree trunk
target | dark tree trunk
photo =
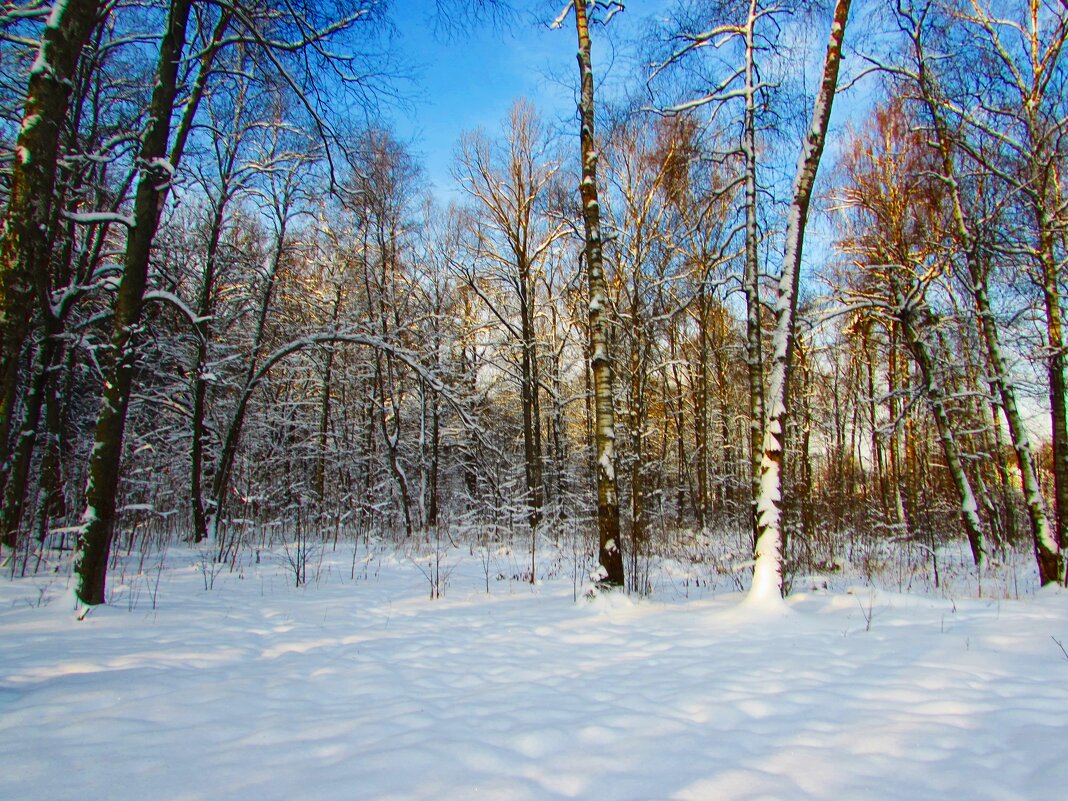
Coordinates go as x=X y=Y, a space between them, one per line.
x=200 y=381
x=24 y=237
x=98 y=520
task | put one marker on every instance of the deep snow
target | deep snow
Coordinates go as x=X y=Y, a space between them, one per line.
x=365 y=689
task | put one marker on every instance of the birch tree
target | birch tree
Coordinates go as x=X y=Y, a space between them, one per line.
x=944 y=118
x=718 y=94
x=767 y=572
x=610 y=553
x=1017 y=135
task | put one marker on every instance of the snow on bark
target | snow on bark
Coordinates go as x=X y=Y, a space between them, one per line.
x=91 y=560
x=767 y=572
x=99 y=217
x=1048 y=555
x=24 y=232
x=611 y=559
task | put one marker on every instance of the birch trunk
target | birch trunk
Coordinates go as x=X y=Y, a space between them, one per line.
x=1047 y=549
x=767 y=573
x=751 y=279
x=1056 y=359
x=610 y=553
x=936 y=398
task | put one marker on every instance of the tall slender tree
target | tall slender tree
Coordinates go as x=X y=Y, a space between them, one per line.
x=610 y=553
x=27 y=226
x=767 y=572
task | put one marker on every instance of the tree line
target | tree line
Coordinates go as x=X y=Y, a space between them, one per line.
x=232 y=312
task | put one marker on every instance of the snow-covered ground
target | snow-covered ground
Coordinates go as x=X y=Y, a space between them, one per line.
x=359 y=686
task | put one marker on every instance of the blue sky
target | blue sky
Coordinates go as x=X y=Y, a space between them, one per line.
x=470 y=79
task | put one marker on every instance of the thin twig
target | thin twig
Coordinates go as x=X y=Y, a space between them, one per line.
x=1059 y=645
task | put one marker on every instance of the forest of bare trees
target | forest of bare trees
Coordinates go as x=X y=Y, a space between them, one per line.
x=703 y=306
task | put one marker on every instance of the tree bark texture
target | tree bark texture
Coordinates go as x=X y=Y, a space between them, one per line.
x=1047 y=550
x=610 y=554
x=98 y=519
x=25 y=236
x=767 y=573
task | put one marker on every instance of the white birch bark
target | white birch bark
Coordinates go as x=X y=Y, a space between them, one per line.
x=1047 y=549
x=767 y=572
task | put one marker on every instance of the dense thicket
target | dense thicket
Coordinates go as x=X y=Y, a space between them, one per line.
x=232 y=314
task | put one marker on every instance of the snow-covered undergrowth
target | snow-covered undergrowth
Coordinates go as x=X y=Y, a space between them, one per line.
x=359 y=686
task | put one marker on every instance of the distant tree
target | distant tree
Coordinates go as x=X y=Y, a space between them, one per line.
x=511 y=237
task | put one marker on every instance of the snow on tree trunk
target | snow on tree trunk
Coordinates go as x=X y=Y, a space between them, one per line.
x=751 y=282
x=24 y=235
x=610 y=552
x=94 y=542
x=1056 y=364
x=936 y=398
x=1047 y=550
x=767 y=572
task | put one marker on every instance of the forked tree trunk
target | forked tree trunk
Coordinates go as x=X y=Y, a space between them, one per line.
x=610 y=552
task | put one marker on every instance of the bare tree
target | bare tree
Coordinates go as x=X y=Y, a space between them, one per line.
x=610 y=553
x=767 y=573
x=919 y=25
x=898 y=207
x=512 y=237
x=28 y=230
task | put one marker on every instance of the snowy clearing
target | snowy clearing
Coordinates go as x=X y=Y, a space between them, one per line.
x=363 y=688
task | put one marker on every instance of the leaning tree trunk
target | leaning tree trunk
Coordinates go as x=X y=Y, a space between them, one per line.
x=936 y=399
x=1057 y=395
x=610 y=553
x=767 y=573
x=98 y=519
x=1047 y=549
x=24 y=236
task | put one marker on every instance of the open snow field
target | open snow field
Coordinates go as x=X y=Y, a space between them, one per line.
x=365 y=689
